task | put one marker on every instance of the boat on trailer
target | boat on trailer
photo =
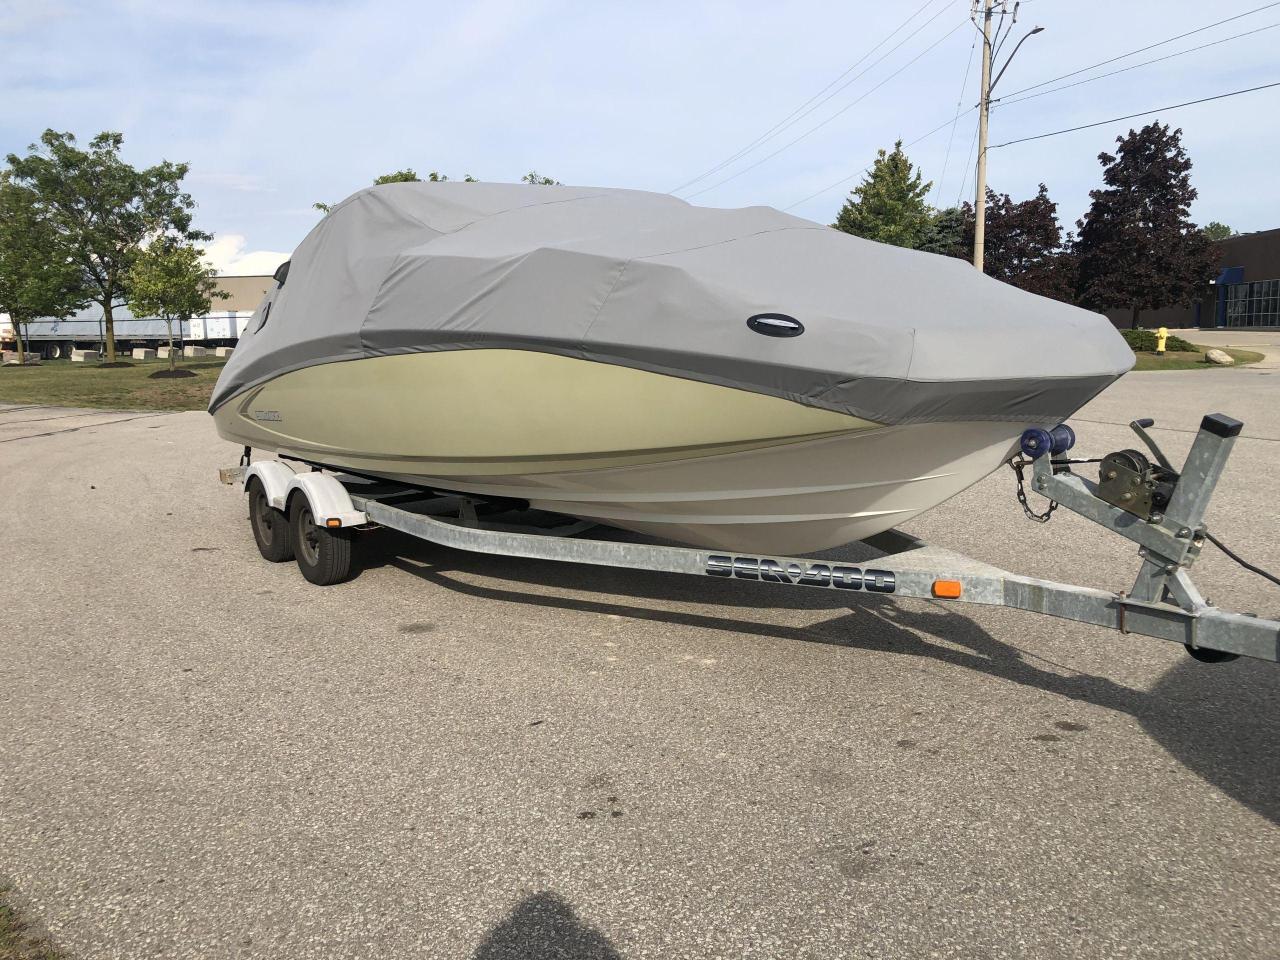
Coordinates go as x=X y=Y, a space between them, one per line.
x=742 y=380
x=496 y=368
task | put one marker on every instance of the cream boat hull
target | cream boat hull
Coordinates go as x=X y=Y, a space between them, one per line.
x=681 y=459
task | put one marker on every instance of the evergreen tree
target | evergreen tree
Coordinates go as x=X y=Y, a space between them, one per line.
x=889 y=205
x=1137 y=246
x=949 y=233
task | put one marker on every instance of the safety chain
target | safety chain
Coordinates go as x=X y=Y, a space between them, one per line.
x=1018 y=464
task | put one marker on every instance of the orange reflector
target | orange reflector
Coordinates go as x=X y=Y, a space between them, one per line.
x=335 y=522
x=947 y=589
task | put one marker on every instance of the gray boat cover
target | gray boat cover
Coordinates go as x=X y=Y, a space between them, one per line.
x=649 y=281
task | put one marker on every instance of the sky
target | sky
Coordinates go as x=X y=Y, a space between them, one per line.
x=276 y=104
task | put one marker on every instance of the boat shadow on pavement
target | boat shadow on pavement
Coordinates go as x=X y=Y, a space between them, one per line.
x=1220 y=721
x=542 y=926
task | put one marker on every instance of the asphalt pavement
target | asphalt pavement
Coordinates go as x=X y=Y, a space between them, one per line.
x=203 y=756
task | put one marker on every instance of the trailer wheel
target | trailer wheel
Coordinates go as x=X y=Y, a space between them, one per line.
x=270 y=526
x=324 y=556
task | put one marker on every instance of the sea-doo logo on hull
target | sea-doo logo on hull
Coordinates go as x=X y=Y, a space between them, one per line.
x=837 y=576
x=271 y=415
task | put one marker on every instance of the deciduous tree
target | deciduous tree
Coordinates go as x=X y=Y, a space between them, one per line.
x=1024 y=245
x=889 y=205
x=170 y=280
x=37 y=278
x=1137 y=246
x=407 y=175
x=1216 y=230
x=102 y=209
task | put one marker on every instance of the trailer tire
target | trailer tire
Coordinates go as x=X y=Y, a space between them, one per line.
x=270 y=526
x=323 y=555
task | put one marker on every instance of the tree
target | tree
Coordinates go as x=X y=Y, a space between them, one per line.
x=949 y=233
x=1216 y=230
x=102 y=209
x=37 y=279
x=406 y=175
x=534 y=178
x=169 y=280
x=1137 y=246
x=1024 y=244
x=889 y=205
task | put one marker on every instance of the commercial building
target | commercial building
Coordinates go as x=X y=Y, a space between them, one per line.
x=1245 y=292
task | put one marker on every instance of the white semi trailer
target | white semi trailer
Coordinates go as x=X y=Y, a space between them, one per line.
x=221 y=327
x=55 y=339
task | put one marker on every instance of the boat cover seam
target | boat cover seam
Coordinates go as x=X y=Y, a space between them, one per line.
x=617 y=278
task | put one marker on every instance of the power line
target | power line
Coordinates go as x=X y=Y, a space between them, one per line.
x=968 y=65
x=1143 y=113
x=1145 y=63
x=867 y=169
x=800 y=112
x=823 y=123
x=1152 y=46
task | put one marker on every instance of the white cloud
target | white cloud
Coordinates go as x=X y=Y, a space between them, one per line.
x=227 y=255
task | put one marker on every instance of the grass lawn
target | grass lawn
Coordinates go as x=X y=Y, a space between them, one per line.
x=67 y=384
x=17 y=940
x=1191 y=360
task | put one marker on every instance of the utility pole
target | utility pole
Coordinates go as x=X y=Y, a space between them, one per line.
x=991 y=47
x=984 y=108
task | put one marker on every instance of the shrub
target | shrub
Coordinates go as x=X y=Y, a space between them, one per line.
x=1145 y=341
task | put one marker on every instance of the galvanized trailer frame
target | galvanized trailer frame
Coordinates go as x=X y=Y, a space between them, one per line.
x=1164 y=602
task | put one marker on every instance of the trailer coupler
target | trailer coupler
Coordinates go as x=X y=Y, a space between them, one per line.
x=1161 y=509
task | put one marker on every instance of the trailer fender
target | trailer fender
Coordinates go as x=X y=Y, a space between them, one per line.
x=328 y=499
x=276 y=479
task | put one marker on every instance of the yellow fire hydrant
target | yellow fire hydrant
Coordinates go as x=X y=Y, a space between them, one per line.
x=1161 y=336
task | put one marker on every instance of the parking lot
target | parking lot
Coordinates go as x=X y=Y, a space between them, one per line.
x=465 y=756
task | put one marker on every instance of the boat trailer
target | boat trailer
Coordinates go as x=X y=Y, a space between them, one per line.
x=313 y=516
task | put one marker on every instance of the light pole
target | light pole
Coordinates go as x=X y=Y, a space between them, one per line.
x=984 y=110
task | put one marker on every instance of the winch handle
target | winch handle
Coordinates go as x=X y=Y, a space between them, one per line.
x=1140 y=428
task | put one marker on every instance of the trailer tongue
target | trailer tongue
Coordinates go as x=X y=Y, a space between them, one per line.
x=1148 y=502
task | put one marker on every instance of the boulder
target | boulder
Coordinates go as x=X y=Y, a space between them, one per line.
x=1220 y=357
x=84 y=356
x=143 y=353
x=163 y=352
x=224 y=351
x=9 y=357
x=195 y=351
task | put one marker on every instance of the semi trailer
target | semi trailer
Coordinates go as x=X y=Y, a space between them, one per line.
x=85 y=330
